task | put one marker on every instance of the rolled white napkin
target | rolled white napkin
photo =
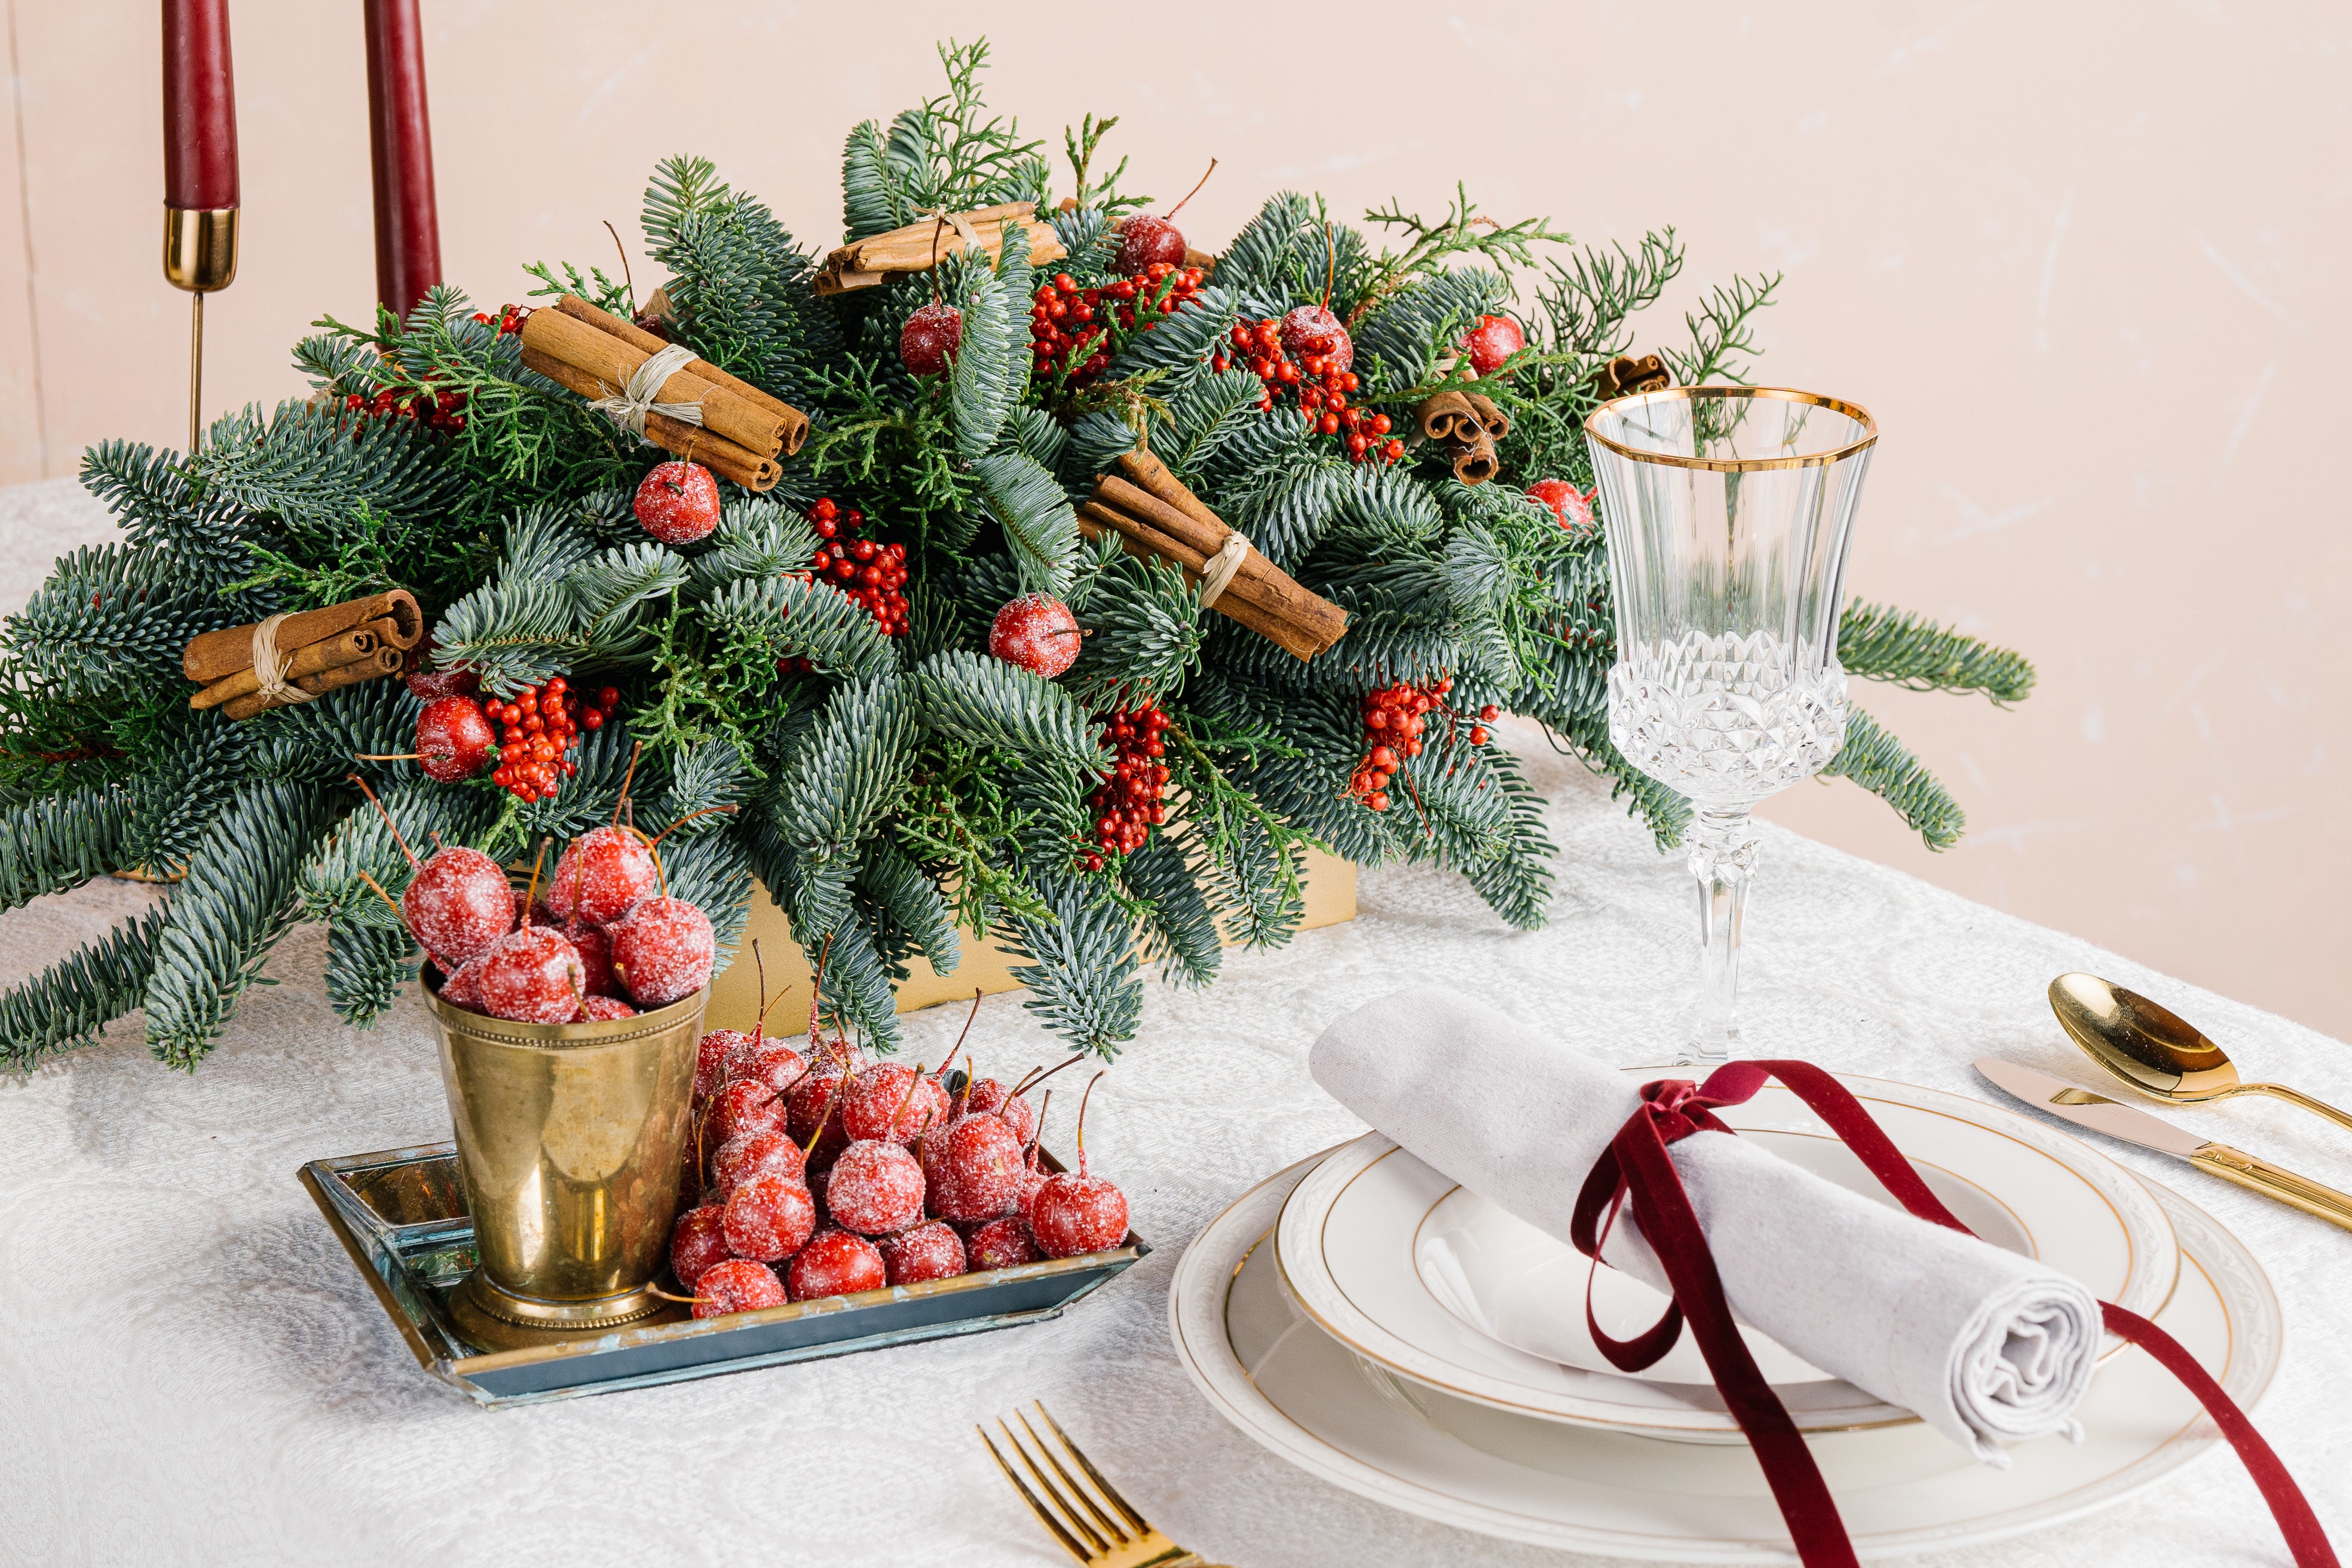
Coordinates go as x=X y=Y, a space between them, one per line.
x=1988 y=1347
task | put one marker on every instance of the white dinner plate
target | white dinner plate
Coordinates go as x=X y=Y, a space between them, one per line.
x=1405 y=1267
x=1273 y=1375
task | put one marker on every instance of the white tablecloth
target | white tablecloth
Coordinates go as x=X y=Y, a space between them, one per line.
x=192 y=1372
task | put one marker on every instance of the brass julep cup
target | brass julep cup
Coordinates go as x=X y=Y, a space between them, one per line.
x=571 y=1140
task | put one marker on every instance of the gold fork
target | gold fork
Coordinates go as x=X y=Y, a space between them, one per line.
x=1092 y=1535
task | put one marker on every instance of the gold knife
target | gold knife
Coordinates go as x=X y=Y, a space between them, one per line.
x=2100 y=1114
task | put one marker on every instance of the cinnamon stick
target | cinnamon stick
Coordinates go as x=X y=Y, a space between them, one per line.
x=923 y=245
x=383 y=661
x=796 y=425
x=357 y=643
x=210 y=656
x=1476 y=463
x=1491 y=419
x=736 y=464
x=1447 y=416
x=1155 y=510
x=612 y=361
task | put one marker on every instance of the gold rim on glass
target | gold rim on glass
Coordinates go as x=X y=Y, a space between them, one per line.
x=1737 y=465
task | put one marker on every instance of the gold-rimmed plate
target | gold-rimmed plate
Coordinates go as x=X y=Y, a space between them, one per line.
x=1266 y=1369
x=1409 y=1270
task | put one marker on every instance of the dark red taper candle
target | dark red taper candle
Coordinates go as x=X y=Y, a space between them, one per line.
x=399 y=146
x=199 y=108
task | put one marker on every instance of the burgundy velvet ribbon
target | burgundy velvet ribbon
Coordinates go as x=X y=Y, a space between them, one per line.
x=1636 y=1168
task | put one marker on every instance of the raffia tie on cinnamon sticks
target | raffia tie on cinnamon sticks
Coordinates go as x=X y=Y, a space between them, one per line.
x=1151 y=510
x=313 y=652
x=596 y=353
x=1469 y=423
x=921 y=246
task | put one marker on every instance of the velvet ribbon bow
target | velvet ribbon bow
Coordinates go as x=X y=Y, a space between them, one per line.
x=1635 y=1168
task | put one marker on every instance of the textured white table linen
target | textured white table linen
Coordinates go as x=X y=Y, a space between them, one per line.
x=1988 y=1347
x=192 y=1372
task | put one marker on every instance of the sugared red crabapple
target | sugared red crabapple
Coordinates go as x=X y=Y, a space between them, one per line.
x=600 y=873
x=595 y=950
x=1075 y=1213
x=769 y=1218
x=1037 y=633
x=817 y=1100
x=1314 y=330
x=737 y=1284
x=664 y=951
x=678 y=502
x=974 y=1169
x=603 y=1009
x=741 y=1107
x=453 y=740
x=463 y=988
x=885 y=1102
x=1001 y=1243
x=929 y=1251
x=875 y=1188
x=697 y=1243
x=770 y=1062
x=836 y=1263
x=458 y=903
x=711 y=1054
x=989 y=1096
x=750 y=1154
x=533 y=976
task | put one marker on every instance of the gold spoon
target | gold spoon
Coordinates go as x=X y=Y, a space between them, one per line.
x=2154 y=1050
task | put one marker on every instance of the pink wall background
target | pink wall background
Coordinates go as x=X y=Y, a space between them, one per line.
x=2084 y=263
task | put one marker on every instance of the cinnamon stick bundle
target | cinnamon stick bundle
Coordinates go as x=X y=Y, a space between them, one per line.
x=923 y=245
x=1148 y=506
x=611 y=360
x=332 y=653
x=1470 y=425
x=210 y=656
x=375 y=666
x=796 y=425
x=733 y=463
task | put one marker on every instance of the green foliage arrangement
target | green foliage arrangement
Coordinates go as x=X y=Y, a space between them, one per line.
x=894 y=795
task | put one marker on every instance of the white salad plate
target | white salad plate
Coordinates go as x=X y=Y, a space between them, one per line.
x=1406 y=1268
x=1272 y=1372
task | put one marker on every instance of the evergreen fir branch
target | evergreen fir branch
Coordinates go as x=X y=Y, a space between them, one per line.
x=868 y=205
x=543 y=544
x=944 y=155
x=611 y=585
x=235 y=902
x=369 y=719
x=191 y=774
x=167 y=516
x=740 y=283
x=991 y=369
x=712 y=873
x=1516 y=882
x=333 y=364
x=1036 y=517
x=1208 y=411
x=1258 y=883
x=1081 y=973
x=71 y=1001
x=1098 y=440
x=1461 y=232
x=56 y=843
x=313 y=470
x=588 y=798
x=1183 y=340
x=111 y=620
x=1090 y=195
x=708 y=778
x=911 y=903
x=784 y=617
x=1037 y=436
x=606 y=293
x=1879 y=763
x=984 y=702
x=1399 y=343
x=849 y=771
x=1180 y=930
x=966 y=803
x=515 y=635
x=755 y=538
x=855 y=993
x=1882 y=643
x=1144 y=631
x=1293 y=251
x=368 y=963
x=1480 y=581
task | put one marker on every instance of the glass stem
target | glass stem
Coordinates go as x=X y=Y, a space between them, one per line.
x=1723 y=846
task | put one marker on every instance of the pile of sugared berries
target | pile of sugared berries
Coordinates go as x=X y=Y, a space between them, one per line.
x=1395 y=717
x=869 y=571
x=1074 y=331
x=537 y=726
x=1127 y=805
x=1322 y=387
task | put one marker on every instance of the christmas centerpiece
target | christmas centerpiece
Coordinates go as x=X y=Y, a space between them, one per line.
x=1014 y=570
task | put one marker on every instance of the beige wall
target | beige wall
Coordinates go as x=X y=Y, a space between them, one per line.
x=2084 y=262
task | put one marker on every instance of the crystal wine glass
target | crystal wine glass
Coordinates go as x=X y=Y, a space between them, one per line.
x=1729 y=510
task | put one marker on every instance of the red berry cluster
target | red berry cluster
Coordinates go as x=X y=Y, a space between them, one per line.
x=509 y=320
x=1395 y=717
x=536 y=727
x=869 y=571
x=1127 y=805
x=1074 y=331
x=1322 y=386
x=442 y=411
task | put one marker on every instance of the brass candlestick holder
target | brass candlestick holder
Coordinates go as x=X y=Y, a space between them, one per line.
x=199 y=256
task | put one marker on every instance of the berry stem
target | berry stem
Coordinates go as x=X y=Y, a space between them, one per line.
x=907 y=1099
x=1036 y=1076
x=681 y=822
x=1082 y=1120
x=969 y=1019
x=632 y=772
x=387 y=898
x=1194 y=191
x=388 y=822
x=394 y=757
x=530 y=895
